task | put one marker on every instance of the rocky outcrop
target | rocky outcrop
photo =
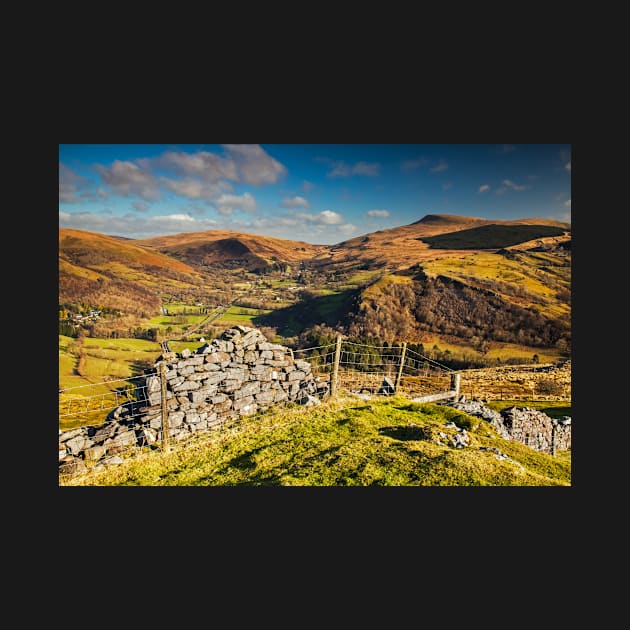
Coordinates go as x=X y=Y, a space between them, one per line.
x=528 y=426
x=236 y=375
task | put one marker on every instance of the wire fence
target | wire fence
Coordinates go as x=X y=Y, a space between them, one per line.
x=378 y=370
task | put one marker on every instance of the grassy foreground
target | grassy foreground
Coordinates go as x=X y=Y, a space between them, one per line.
x=348 y=442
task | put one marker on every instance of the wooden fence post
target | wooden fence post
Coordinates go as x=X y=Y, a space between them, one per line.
x=165 y=429
x=455 y=380
x=401 y=366
x=335 y=373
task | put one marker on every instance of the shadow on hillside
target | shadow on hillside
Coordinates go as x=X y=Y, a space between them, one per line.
x=402 y=432
x=556 y=412
x=245 y=462
x=328 y=309
x=138 y=367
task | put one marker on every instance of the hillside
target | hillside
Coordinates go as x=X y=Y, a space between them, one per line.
x=349 y=442
x=232 y=249
x=402 y=247
x=491 y=236
x=117 y=274
x=406 y=310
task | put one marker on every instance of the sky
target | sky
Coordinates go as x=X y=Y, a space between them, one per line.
x=318 y=193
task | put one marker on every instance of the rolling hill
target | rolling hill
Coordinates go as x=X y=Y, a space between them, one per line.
x=402 y=247
x=117 y=273
x=225 y=248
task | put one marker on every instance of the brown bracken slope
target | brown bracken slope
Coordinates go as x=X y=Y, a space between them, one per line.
x=117 y=273
x=399 y=248
x=220 y=246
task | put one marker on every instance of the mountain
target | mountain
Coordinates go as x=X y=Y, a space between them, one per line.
x=117 y=273
x=405 y=246
x=226 y=248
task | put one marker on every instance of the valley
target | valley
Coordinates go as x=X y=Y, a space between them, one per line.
x=506 y=303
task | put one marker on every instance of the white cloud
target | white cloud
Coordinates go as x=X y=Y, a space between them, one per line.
x=254 y=165
x=140 y=206
x=127 y=178
x=226 y=204
x=195 y=188
x=307 y=186
x=174 y=217
x=484 y=188
x=508 y=184
x=325 y=217
x=347 y=228
x=440 y=167
x=567 y=166
x=74 y=188
x=378 y=213
x=203 y=175
x=133 y=225
x=343 y=169
x=67 y=185
x=411 y=165
x=365 y=168
x=295 y=202
x=244 y=163
x=567 y=203
x=204 y=164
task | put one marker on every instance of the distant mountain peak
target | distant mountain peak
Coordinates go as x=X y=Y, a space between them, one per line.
x=445 y=218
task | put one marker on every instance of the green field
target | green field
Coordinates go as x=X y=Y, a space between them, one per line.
x=361 y=278
x=163 y=321
x=347 y=442
x=95 y=367
x=240 y=315
x=283 y=283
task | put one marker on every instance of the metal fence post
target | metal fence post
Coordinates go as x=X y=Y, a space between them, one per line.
x=165 y=429
x=401 y=366
x=335 y=373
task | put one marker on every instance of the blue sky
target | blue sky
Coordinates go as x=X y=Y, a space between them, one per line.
x=319 y=193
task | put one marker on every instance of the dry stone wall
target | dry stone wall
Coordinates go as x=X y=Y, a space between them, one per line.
x=236 y=375
x=529 y=426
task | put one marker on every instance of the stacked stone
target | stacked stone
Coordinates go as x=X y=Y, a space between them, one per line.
x=236 y=375
x=478 y=409
x=537 y=430
x=529 y=426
